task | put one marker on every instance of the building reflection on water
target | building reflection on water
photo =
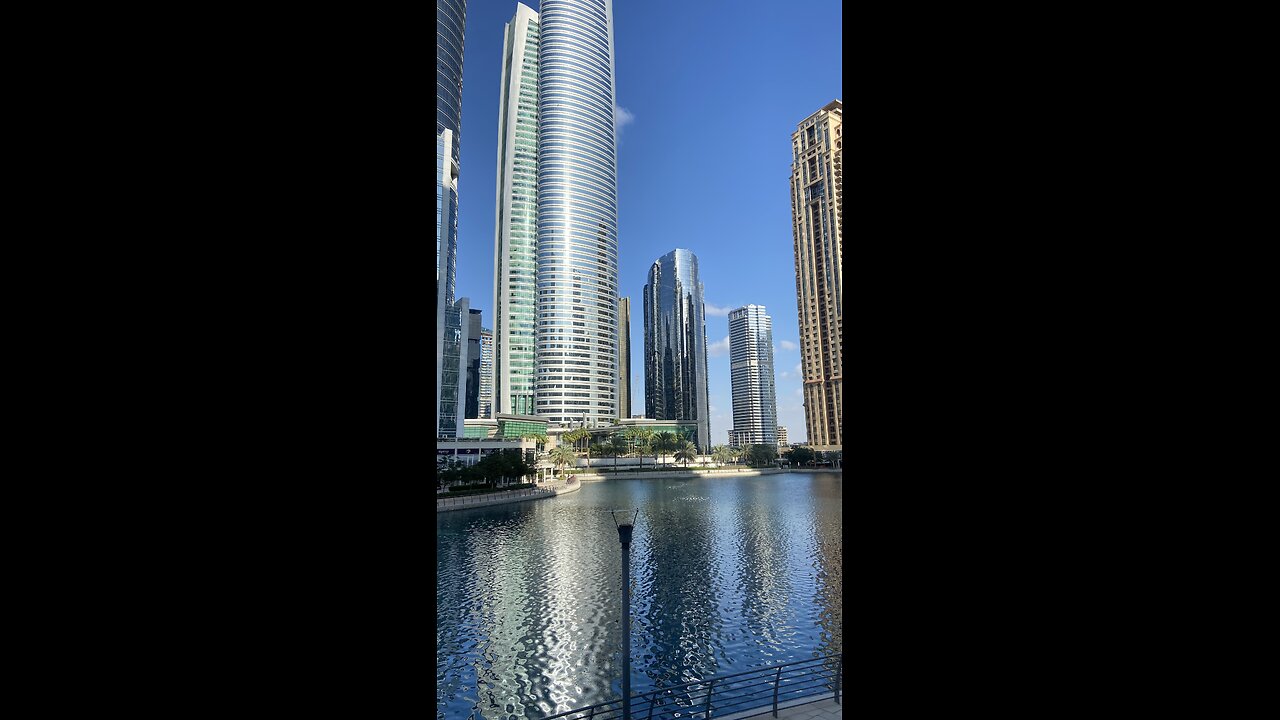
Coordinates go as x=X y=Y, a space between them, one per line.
x=726 y=575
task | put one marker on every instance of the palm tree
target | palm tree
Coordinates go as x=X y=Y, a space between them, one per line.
x=687 y=452
x=664 y=441
x=721 y=454
x=563 y=455
x=640 y=439
x=617 y=446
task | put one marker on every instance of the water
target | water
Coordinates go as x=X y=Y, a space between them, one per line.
x=727 y=574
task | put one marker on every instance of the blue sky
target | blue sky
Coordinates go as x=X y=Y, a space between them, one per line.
x=710 y=93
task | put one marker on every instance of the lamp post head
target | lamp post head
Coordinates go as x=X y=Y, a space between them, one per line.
x=624 y=533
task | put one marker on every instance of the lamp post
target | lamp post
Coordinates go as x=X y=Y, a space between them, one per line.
x=624 y=537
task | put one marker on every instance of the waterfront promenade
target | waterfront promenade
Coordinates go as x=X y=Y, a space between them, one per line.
x=467 y=502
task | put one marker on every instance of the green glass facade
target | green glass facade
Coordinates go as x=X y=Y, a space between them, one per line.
x=511 y=429
x=516 y=226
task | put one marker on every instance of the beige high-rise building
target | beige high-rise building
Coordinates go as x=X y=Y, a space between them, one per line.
x=816 y=205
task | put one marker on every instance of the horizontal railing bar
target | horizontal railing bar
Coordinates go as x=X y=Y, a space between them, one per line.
x=797 y=676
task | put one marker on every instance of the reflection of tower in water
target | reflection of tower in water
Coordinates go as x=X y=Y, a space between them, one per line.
x=828 y=526
x=677 y=624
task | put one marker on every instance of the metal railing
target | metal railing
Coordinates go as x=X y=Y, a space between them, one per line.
x=444 y=502
x=763 y=689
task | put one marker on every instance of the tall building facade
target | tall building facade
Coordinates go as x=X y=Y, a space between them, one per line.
x=782 y=436
x=675 y=343
x=755 y=401
x=516 y=224
x=816 y=212
x=474 y=328
x=486 y=373
x=624 y=358
x=576 y=373
x=451 y=326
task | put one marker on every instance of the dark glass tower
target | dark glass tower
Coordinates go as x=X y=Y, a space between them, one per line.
x=451 y=330
x=675 y=344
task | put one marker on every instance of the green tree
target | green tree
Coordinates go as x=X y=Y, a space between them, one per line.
x=721 y=454
x=640 y=440
x=563 y=455
x=801 y=456
x=617 y=445
x=761 y=455
x=664 y=442
x=687 y=451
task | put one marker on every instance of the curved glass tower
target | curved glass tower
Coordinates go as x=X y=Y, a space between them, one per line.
x=577 y=254
x=451 y=27
x=675 y=344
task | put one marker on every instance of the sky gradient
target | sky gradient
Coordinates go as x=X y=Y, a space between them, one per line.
x=708 y=94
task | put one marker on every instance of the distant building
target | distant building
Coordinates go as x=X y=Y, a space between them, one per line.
x=817 y=205
x=782 y=436
x=486 y=373
x=675 y=344
x=474 y=328
x=624 y=357
x=739 y=438
x=755 y=403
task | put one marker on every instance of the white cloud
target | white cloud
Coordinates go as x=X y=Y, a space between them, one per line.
x=799 y=393
x=798 y=369
x=788 y=345
x=622 y=117
x=716 y=310
x=719 y=347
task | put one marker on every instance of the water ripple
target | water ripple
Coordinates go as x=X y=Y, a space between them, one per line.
x=726 y=574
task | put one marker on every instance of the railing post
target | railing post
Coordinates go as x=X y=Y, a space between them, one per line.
x=777 y=681
x=653 y=700
x=706 y=715
x=839 y=670
x=593 y=712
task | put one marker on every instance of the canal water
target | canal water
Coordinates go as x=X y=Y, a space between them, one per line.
x=727 y=574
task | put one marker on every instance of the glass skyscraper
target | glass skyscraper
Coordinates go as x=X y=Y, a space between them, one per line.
x=755 y=401
x=577 y=250
x=675 y=343
x=451 y=331
x=516 y=225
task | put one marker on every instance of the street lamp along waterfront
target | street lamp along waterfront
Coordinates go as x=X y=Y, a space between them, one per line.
x=624 y=537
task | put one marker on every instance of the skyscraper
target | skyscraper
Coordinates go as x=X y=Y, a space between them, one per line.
x=755 y=402
x=474 y=328
x=816 y=207
x=486 y=373
x=516 y=225
x=675 y=343
x=624 y=358
x=577 y=252
x=451 y=331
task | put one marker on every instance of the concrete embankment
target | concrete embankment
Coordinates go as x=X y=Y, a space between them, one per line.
x=468 y=502
x=676 y=473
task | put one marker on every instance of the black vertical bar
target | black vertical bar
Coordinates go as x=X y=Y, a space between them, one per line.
x=624 y=536
x=777 y=681
x=707 y=713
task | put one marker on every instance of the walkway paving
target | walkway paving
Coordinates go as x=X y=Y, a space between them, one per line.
x=825 y=709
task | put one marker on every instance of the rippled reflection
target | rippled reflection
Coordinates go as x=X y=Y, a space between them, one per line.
x=726 y=574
